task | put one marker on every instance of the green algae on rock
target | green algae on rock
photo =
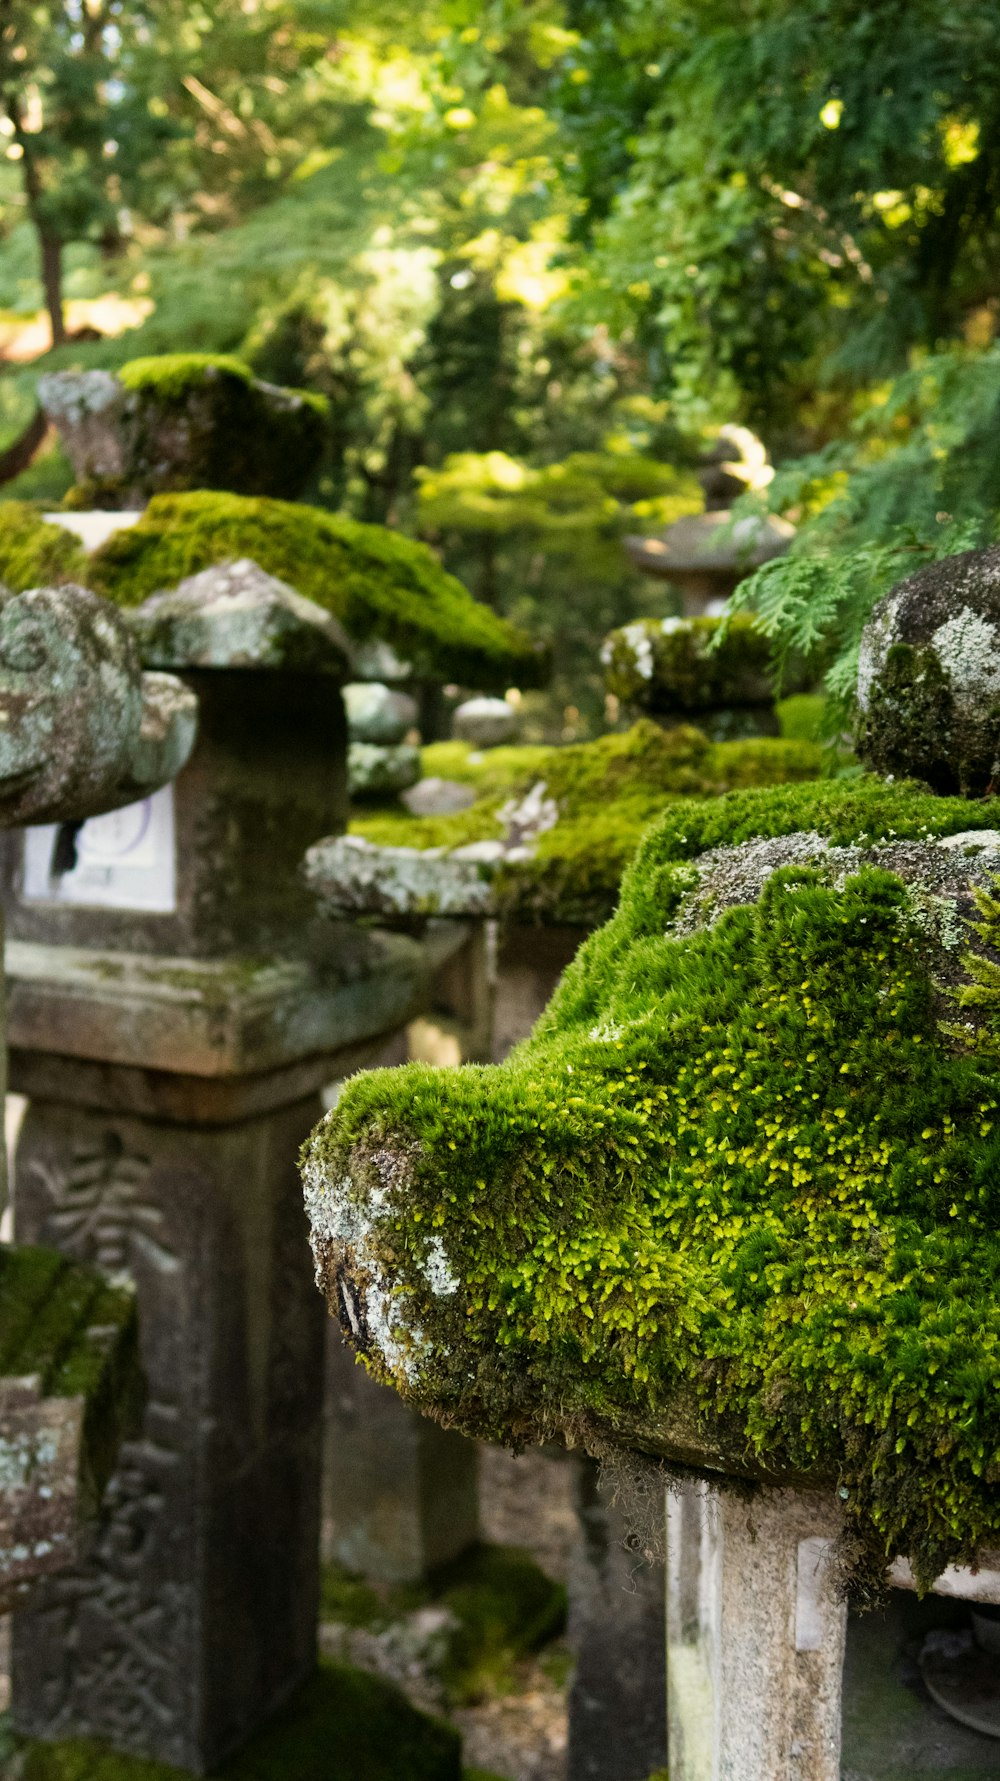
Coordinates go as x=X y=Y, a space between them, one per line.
x=929 y=676
x=34 y=553
x=735 y=1202
x=376 y=582
x=703 y=670
x=605 y=794
x=183 y=421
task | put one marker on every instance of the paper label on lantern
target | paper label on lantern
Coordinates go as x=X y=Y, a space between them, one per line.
x=124 y=860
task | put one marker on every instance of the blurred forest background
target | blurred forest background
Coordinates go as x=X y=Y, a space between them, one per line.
x=534 y=251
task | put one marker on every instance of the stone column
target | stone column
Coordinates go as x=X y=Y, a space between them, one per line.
x=618 y=1699
x=173 y=1017
x=755 y=1636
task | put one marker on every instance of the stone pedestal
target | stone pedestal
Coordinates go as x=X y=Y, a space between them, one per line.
x=400 y=1493
x=618 y=1701
x=755 y=1636
x=195 y=1615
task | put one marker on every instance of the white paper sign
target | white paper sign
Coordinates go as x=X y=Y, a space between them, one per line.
x=124 y=860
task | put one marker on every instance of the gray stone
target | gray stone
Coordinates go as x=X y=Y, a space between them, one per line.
x=706 y=555
x=235 y=615
x=192 y=422
x=755 y=1635
x=485 y=722
x=438 y=797
x=618 y=1698
x=376 y=772
x=377 y=714
x=375 y=659
x=400 y=1492
x=81 y=728
x=929 y=676
x=352 y=876
x=194 y=1615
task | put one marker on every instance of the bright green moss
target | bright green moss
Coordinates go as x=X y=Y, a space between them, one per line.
x=65 y=1323
x=35 y=554
x=344 y=1725
x=607 y=793
x=378 y=583
x=173 y=374
x=737 y=1199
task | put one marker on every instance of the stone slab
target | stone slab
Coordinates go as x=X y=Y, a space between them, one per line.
x=204 y=1017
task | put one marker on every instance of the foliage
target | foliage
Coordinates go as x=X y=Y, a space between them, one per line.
x=341 y=1725
x=607 y=793
x=35 y=554
x=736 y=1195
x=376 y=582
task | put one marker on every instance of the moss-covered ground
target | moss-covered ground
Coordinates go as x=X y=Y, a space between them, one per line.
x=33 y=554
x=607 y=793
x=738 y=1196
x=343 y=1725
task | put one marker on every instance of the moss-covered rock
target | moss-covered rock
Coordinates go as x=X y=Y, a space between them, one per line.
x=929 y=676
x=34 y=553
x=378 y=583
x=604 y=794
x=704 y=670
x=736 y=1200
x=344 y=1725
x=183 y=421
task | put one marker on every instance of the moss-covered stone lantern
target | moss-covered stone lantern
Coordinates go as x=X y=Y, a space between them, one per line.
x=733 y=1207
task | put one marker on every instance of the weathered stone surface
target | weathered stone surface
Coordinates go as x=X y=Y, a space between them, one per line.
x=434 y=796
x=182 y=422
x=755 y=1636
x=375 y=713
x=400 y=1493
x=485 y=722
x=81 y=728
x=376 y=772
x=194 y=1615
x=71 y=1385
x=929 y=676
x=237 y=616
x=353 y=876
x=691 y=670
x=617 y=1632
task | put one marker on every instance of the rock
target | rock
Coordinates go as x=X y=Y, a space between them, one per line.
x=929 y=676
x=377 y=714
x=434 y=796
x=375 y=659
x=706 y=555
x=374 y=772
x=680 y=669
x=235 y=615
x=183 y=421
x=484 y=722
x=351 y=876
x=82 y=729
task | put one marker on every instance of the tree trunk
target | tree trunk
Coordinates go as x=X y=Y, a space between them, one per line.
x=18 y=456
x=51 y=254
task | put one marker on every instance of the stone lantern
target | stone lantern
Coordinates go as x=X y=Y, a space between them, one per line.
x=81 y=731
x=728 y=1221
x=173 y=1014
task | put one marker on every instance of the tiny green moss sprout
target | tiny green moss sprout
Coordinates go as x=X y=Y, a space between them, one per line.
x=736 y=1201
x=378 y=583
x=34 y=553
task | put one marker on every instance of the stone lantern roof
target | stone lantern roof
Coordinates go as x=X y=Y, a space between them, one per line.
x=734 y=1203
x=235 y=615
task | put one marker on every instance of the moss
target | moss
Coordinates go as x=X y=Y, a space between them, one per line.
x=35 y=554
x=689 y=667
x=378 y=583
x=506 y=1608
x=737 y=1199
x=803 y=717
x=344 y=1725
x=64 y=1323
x=911 y=726
x=174 y=376
x=607 y=793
